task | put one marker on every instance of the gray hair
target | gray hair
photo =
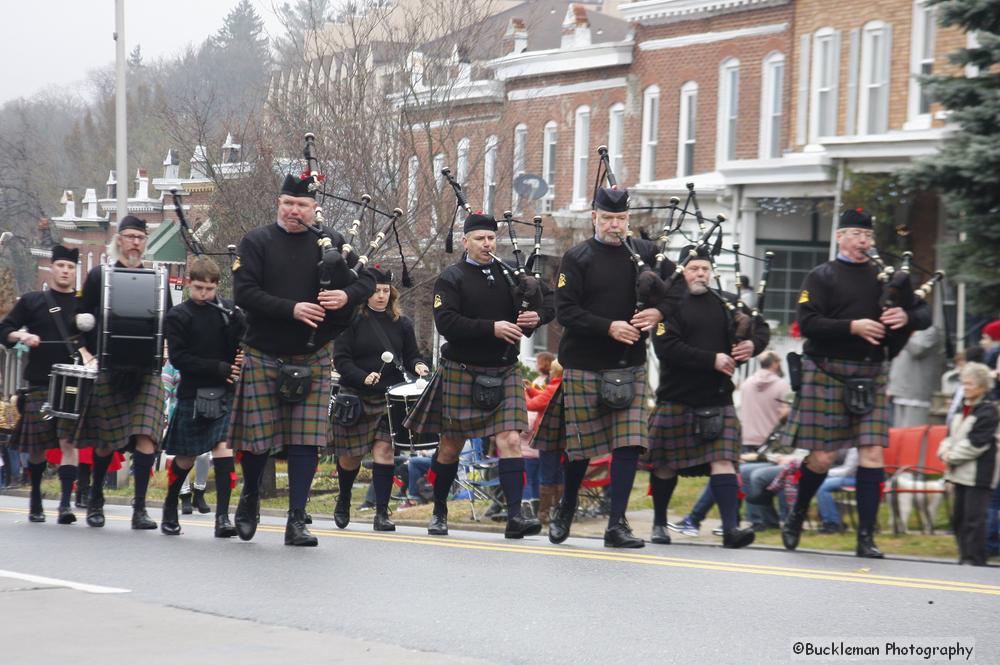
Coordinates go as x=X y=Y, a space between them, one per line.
x=980 y=373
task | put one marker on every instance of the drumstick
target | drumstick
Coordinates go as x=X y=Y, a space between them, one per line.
x=386 y=359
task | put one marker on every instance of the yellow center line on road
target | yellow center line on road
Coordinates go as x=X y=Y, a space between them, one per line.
x=623 y=556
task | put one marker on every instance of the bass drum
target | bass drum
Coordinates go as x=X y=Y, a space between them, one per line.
x=400 y=400
x=70 y=387
x=133 y=304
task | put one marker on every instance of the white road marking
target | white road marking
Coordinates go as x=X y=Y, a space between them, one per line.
x=79 y=586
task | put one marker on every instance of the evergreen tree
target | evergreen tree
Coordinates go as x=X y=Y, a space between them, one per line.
x=967 y=170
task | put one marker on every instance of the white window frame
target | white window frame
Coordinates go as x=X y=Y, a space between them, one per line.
x=650 y=133
x=924 y=33
x=490 y=174
x=412 y=200
x=873 y=100
x=462 y=161
x=827 y=71
x=550 y=143
x=687 y=129
x=728 y=110
x=772 y=106
x=581 y=154
x=438 y=163
x=616 y=138
x=520 y=163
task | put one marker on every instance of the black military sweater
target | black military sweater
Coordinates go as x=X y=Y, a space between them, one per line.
x=358 y=351
x=836 y=293
x=686 y=344
x=32 y=312
x=275 y=270
x=596 y=286
x=466 y=305
x=202 y=345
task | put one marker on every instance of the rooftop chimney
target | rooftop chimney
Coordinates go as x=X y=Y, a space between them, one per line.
x=142 y=185
x=515 y=39
x=90 y=204
x=67 y=198
x=112 y=185
x=199 y=162
x=171 y=166
x=230 y=150
x=575 y=27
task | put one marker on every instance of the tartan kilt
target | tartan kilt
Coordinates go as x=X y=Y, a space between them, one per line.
x=190 y=436
x=261 y=422
x=673 y=444
x=819 y=418
x=446 y=406
x=373 y=425
x=577 y=423
x=111 y=419
x=34 y=433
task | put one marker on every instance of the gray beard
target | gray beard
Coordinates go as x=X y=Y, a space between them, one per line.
x=698 y=289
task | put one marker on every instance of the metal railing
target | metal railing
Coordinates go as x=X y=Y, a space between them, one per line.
x=12 y=362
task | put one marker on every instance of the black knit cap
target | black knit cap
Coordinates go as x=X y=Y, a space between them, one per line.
x=381 y=275
x=856 y=218
x=132 y=222
x=477 y=221
x=702 y=253
x=611 y=199
x=60 y=253
x=296 y=186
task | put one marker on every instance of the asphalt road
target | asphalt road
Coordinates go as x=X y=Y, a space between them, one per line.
x=467 y=598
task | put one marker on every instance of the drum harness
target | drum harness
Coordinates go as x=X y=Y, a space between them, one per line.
x=55 y=310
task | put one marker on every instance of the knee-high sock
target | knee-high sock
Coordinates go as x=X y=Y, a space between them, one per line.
x=143 y=464
x=345 y=479
x=175 y=480
x=624 y=462
x=67 y=476
x=575 y=472
x=253 y=470
x=101 y=465
x=302 y=462
x=725 y=488
x=662 y=490
x=512 y=482
x=225 y=481
x=382 y=481
x=36 y=471
x=201 y=466
x=869 y=491
x=83 y=475
x=442 y=476
x=809 y=482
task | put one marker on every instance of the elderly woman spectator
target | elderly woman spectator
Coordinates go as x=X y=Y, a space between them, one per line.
x=970 y=451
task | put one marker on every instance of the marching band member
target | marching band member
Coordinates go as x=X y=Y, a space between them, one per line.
x=694 y=429
x=203 y=335
x=377 y=327
x=476 y=391
x=283 y=392
x=32 y=322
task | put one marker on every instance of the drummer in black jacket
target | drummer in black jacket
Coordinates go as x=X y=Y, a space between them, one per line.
x=358 y=357
x=32 y=323
x=203 y=335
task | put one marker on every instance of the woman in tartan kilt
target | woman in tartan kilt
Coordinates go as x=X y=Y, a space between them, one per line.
x=694 y=429
x=850 y=330
x=203 y=342
x=478 y=316
x=358 y=359
x=31 y=323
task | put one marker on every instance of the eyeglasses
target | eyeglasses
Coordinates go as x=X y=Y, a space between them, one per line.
x=133 y=237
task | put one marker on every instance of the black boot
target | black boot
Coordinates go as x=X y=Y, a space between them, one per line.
x=342 y=510
x=439 y=524
x=620 y=535
x=199 y=501
x=66 y=515
x=140 y=518
x=95 y=507
x=382 y=521
x=561 y=520
x=866 y=545
x=170 y=524
x=223 y=527
x=186 y=508
x=247 y=515
x=792 y=529
x=35 y=511
x=520 y=526
x=735 y=538
x=660 y=535
x=296 y=533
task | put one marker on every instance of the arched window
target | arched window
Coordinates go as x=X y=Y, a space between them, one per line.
x=549 y=136
x=616 y=137
x=462 y=161
x=771 y=106
x=873 y=105
x=729 y=109
x=688 y=129
x=825 y=70
x=520 y=156
x=411 y=186
x=650 y=132
x=490 y=174
x=581 y=150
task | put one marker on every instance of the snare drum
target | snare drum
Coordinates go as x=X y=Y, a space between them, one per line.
x=133 y=304
x=400 y=400
x=70 y=387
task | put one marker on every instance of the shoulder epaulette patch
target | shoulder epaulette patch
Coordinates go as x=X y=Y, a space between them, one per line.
x=437 y=300
x=562 y=281
x=803 y=297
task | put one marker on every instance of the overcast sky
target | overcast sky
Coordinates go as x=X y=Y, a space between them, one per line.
x=52 y=44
